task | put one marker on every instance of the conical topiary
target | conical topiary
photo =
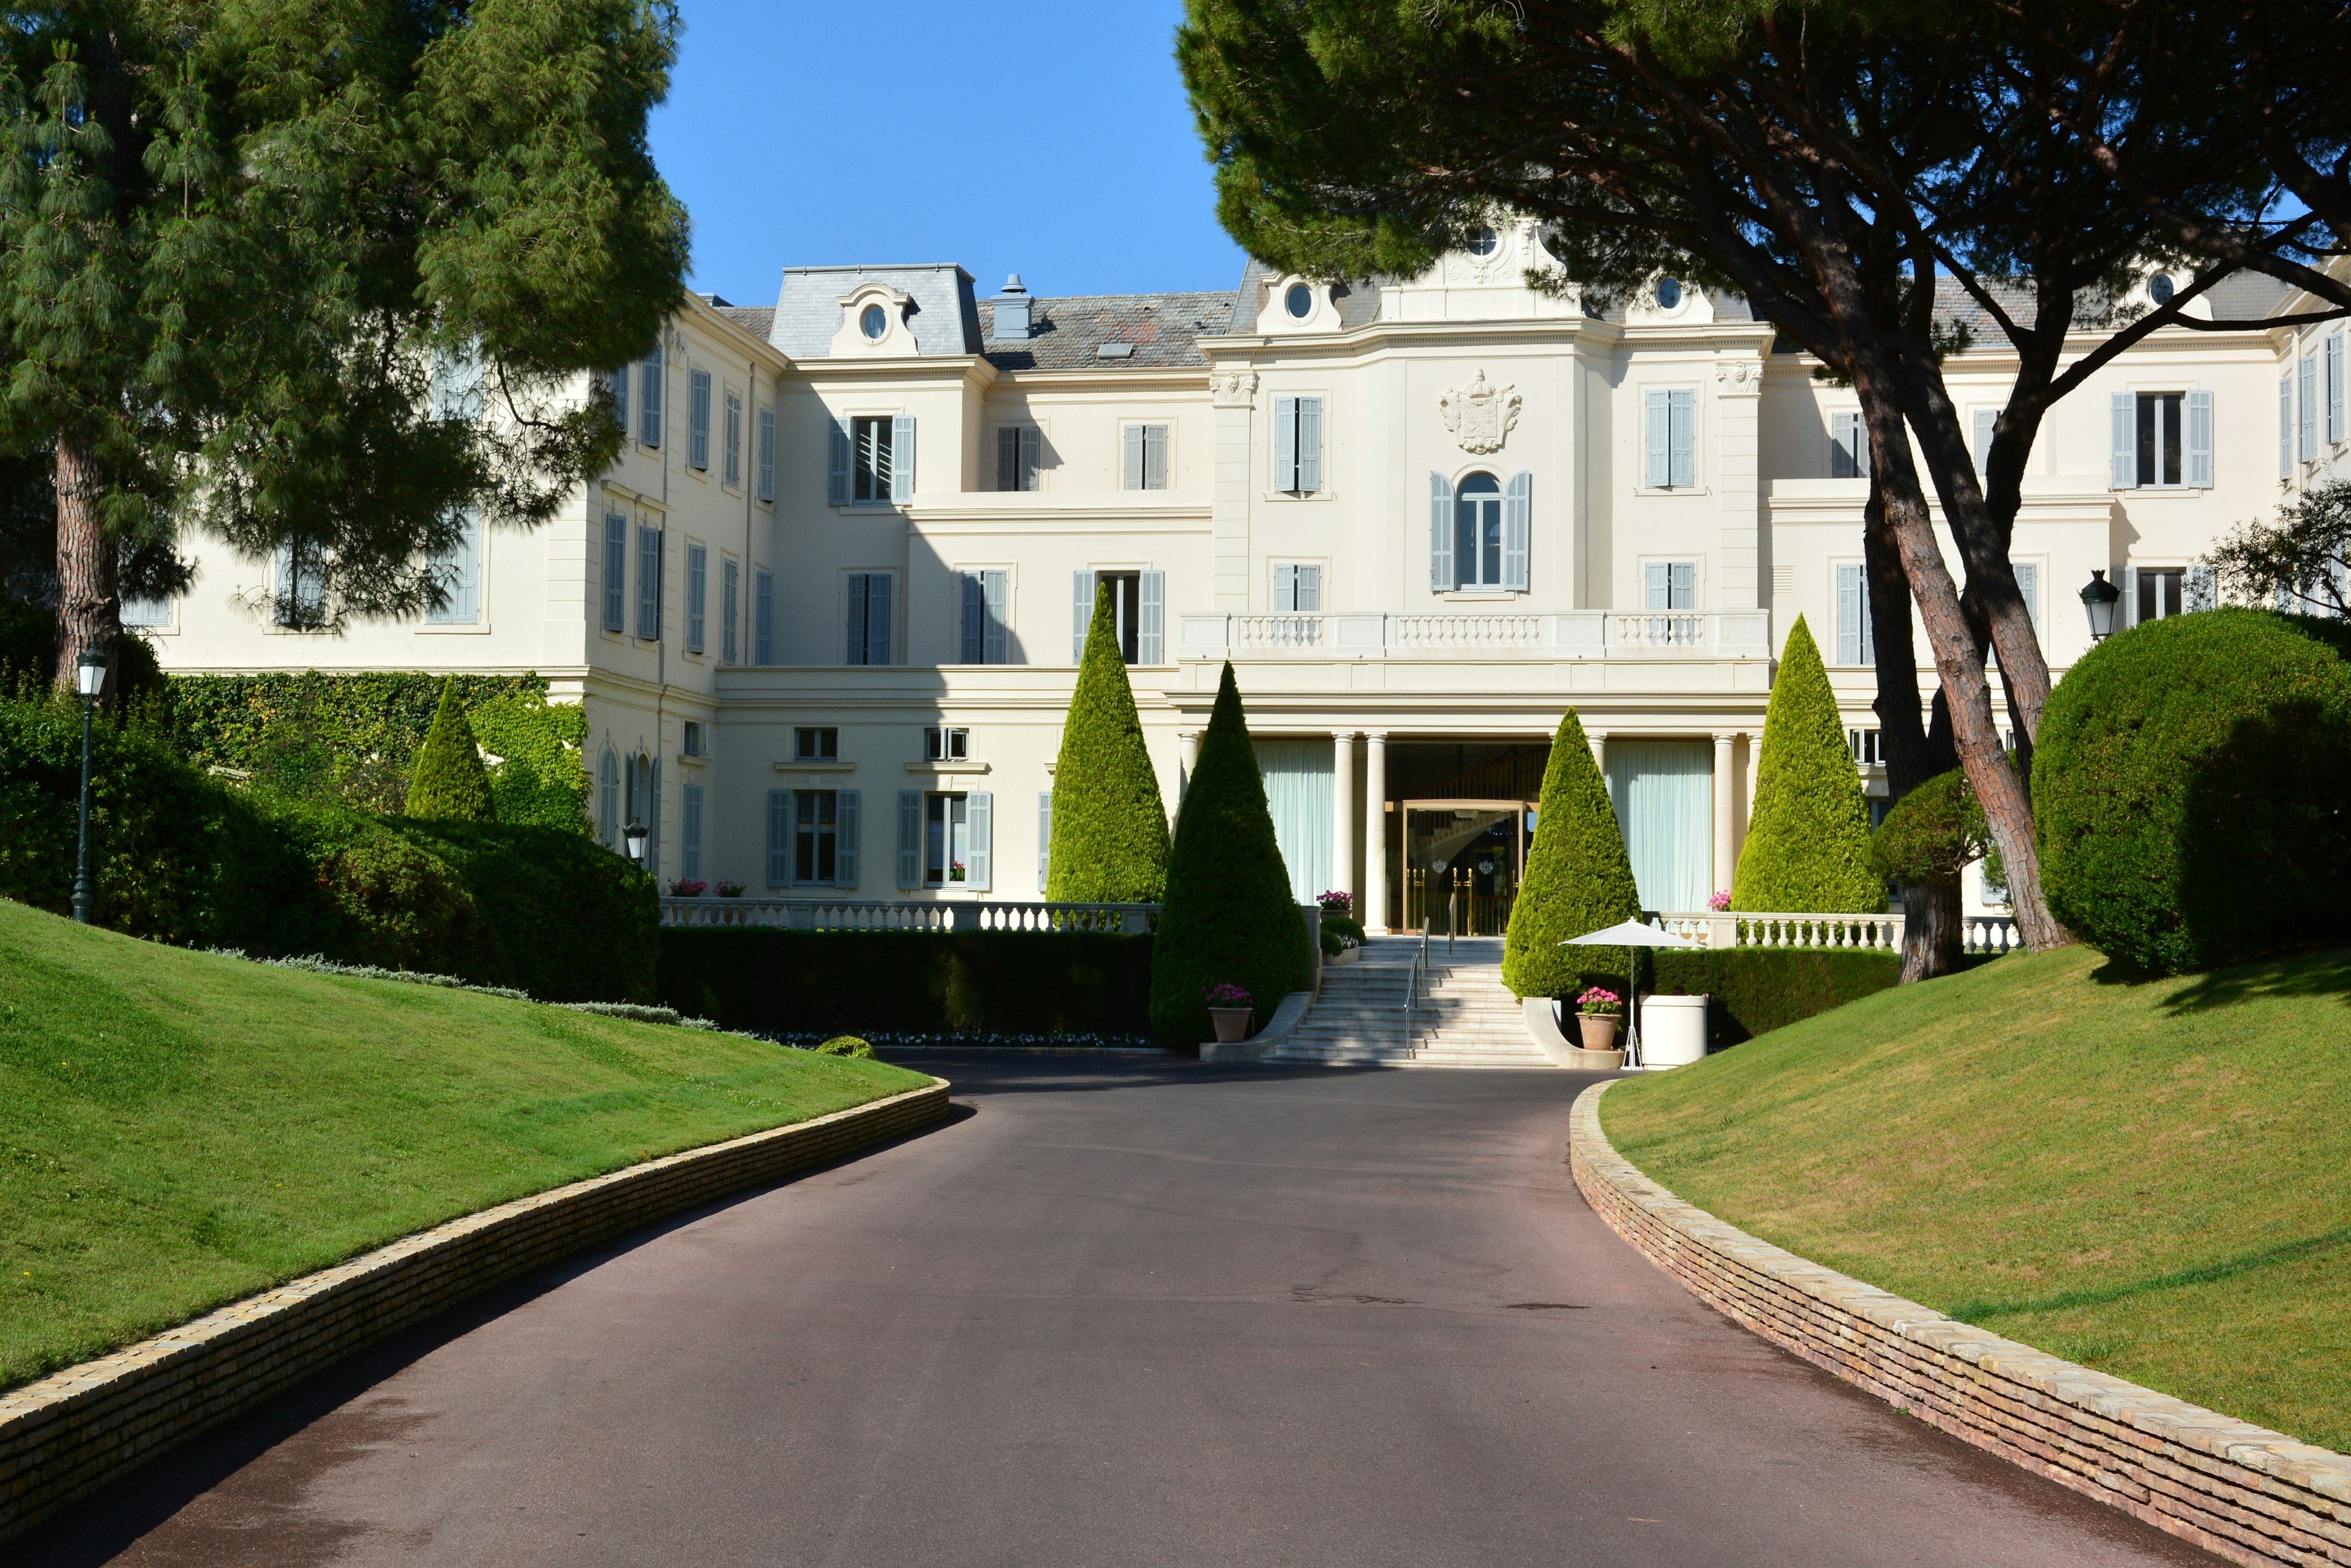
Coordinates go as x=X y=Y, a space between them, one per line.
x=1807 y=848
x=450 y=781
x=1110 y=828
x=1228 y=917
x=1578 y=879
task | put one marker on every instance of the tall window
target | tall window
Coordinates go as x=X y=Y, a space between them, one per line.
x=616 y=573
x=1145 y=466
x=823 y=844
x=1669 y=438
x=733 y=473
x=730 y=581
x=1297 y=445
x=608 y=802
x=872 y=461
x=763 y=618
x=1298 y=589
x=984 y=593
x=869 y=617
x=697 y=420
x=1849 y=447
x=1477 y=532
x=1854 y=643
x=2165 y=439
x=1019 y=451
x=2334 y=389
x=648 y=582
x=871 y=441
x=946 y=840
x=697 y=595
x=2308 y=372
x=457 y=572
x=1670 y=585
x=1137 y=599
x=618 y=383
x=300 y=591
x=649 y=397
x=766 y=455
x=689 y=847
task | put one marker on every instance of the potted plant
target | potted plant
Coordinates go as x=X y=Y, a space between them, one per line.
x=685 y=888
x=1341 y=904
x=730 y=890
x=1598 y=1009
x=1228 y=1008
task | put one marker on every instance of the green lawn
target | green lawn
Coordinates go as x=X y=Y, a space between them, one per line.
x=179 y=1130
x=2151 y=1178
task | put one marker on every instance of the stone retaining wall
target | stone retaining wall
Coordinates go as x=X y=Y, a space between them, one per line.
x=79 y=1429
x=2252 y=1495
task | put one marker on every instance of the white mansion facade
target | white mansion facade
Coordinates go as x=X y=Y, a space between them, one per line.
x=825 y=611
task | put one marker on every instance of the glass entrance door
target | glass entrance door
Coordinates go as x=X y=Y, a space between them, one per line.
x=1462 y=859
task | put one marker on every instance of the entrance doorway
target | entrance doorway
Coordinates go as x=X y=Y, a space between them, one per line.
x=1462 y=861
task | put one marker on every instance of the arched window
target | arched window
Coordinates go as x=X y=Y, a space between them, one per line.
x=608 y=800
x=1477 y=532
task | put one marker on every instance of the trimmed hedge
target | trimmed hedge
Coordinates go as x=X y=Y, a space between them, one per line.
x=1110 y=826
x=1752 y=991
x=2190 y=786
x=1807 y=851
x=1578 y=878
x=886 y=982
x=450 y=782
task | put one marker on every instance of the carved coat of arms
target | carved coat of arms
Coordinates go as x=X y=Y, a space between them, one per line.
x=1480 y=416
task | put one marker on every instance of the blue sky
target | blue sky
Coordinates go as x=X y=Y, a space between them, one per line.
x=1050 y=138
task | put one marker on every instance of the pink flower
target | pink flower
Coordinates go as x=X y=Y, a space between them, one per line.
x=1721 y=900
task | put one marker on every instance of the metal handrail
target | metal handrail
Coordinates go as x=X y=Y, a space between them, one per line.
x=1415 y=980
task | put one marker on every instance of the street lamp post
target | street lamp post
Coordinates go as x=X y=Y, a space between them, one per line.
x=634 y=833
x=90 y=670
x=2099 y=598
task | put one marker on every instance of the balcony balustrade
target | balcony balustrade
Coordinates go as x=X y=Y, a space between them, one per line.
x=1573 y=634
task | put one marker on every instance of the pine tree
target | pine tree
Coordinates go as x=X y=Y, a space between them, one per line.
x=1808 y=849
x=1228 y=915
x=449 y=780
x=1578 y=878
x=1110 y=828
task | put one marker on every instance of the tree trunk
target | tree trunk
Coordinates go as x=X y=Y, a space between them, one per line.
x=90 y=608
x=1933 y=934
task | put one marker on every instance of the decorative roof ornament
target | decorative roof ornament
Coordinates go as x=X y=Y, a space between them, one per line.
x=1480 y=416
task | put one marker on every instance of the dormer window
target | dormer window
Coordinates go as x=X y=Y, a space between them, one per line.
x=873 y=321
x=1299 y=301
x=1484 y=243
x=1669 y=293
x=2161 y=288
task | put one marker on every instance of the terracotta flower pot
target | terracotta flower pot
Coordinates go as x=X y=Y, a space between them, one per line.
x=1232 y=1023
x=1599 y=1031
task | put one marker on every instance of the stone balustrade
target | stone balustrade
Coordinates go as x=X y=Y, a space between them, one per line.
x=909 y=914
x=1572 y=635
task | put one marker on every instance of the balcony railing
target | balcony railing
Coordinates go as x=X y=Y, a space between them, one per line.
x=1572 y=634
x=1858 y=933
x=907 y=915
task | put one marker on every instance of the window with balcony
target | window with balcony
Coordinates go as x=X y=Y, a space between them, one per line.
x=868 y=617
x=1136 y=612
x=1848 y=447
x=1019 y=450
x=943 y=839
x=812 y=838
x=872 y=461
x=987 y=593
x=1477 y=532
x=1297 y=589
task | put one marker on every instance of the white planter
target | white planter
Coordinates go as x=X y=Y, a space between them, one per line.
x=1673 y=1031
x=1344 y=955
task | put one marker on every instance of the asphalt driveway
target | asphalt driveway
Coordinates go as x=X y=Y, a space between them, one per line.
x=1120 y=1311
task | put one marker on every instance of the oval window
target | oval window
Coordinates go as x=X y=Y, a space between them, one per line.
x=1300 y=301
x=873 y=322
x=2159 y=288
x=1484 y=242
x=1669 y=293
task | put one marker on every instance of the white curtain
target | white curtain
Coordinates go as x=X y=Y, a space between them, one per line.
x=1298 y=791
x=1664 y=794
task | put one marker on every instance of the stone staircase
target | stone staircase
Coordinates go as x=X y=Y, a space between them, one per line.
x=1468 y=1019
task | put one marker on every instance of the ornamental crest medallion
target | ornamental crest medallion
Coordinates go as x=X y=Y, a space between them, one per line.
x=1480 y=416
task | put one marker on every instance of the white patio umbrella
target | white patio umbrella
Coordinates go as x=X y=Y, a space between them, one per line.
x=1631 y=933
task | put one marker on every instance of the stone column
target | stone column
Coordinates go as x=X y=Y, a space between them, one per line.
x=1726 y=816
x=1189 y=744
x=1598 y=742
x=1342 y=809
x=1375 y=832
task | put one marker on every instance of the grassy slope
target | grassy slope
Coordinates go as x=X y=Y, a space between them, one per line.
x=179 y=1130
x=2151 y=1178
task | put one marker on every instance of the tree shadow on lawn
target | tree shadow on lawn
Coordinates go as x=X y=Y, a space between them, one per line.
x=2322 y=973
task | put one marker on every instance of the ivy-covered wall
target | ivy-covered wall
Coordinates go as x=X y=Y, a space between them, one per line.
x=354 y=738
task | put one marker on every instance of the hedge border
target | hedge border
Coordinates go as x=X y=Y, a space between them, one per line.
x=75 y=1431
x=2250 y=1494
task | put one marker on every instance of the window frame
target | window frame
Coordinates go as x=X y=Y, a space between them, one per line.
x=1136 y=457
x=860 y=641
x=697 y=421
x=947 y=743
x=941 y=812
x=766 y=455
x=1289 y=483
x=1649 y=465
x=731 y=472
x=871 y=468
x=816 y=743
x=652 y=553
x=1024 y=442
x=697 y=597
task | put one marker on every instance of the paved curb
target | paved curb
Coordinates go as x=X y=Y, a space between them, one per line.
x=2250 y=1494
x=88 y=1425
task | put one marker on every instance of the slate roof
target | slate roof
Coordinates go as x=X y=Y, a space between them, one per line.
x=945 y=318
x=1358 y=300
x=759 y=321
x=1067 y=334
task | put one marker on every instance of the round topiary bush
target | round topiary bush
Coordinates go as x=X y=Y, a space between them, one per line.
x=845 y=1045
x=2190 y=785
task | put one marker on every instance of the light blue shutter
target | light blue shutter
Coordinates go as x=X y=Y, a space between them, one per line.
x=649 y=583
x=1987 y=424
x=766 y=455
x=855 y=652
x=1682 y=436
x=2199 y=440
x=697 y=419
x=619 y=382
x=1155 y=457
x=649 y=397
x=836 y=479
x=2285 y=427
x=697 y=598
x=1848 y=456
x=1441 y=579
x=1518 y=519
x=733 y=474
x=975 y=619
x=1309 y=447
x=910 y=838
x=2202 y=588
x=1657 y=592
x=2308 y=372
x=1044 y=840
x=844 y=854
x=1285 y=444
x=2028 y=587
x=2334 y=387
x=1681 y=585
x=763 y=618
x=2129 y=616
x=1310 y=590
x=1151 y=618
x=779 y=837
x=730 y=576
x=1657 y=424
x=1032 y=455
x=1132 y=467
x=1081 y=613
x=979 y=858
x=2125 y=475
x=902 y=457
x=616 y=573
x=1285 y=588
x=877 y=618
x=1852 y=602
x=994 y=589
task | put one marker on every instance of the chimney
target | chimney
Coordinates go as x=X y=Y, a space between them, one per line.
x=1011 y=313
